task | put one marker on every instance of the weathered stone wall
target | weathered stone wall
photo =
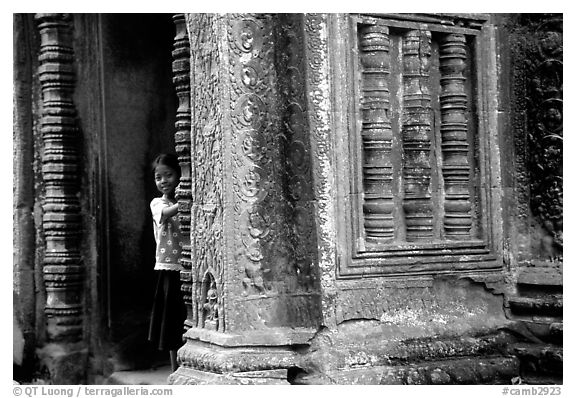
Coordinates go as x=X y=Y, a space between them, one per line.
x=245 y=203
x=531 y=90
x=25 y=188
x=416 y=307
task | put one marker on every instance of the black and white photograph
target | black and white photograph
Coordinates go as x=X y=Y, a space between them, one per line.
x=287 y=198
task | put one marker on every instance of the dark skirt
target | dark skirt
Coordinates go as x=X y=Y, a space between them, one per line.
x=168 y=312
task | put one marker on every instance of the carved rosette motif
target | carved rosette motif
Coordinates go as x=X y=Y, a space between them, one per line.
x=61 y=221
x=181 y=80
x=206 y=172
x=249 y=41
x=416 y=136
x=454 y=131
x=376 y=133
x=544 y=108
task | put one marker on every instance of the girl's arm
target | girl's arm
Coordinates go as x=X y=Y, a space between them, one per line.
x=169 y=211
x=162 y=210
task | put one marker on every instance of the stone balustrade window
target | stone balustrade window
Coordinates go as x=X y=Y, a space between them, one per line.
x=415 y=145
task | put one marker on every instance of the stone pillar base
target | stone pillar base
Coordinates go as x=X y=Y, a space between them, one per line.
x=254 y=357
x=185 y=375
x=65 y=364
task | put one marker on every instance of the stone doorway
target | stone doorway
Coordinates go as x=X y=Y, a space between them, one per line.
x=138 y=113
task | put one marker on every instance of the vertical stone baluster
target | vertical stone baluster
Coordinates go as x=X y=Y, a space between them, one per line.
x=454 y=130
x=416 y=131
x=61 y=222
x=181 y=79
x=376 y=134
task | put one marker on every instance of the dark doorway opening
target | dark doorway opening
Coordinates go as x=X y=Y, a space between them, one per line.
x=139 y=107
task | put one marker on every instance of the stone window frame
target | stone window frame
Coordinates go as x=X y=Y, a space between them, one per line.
x=352 y=259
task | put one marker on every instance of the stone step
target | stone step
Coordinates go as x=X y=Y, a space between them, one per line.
x=549 y=306
x=541 y=276
x=187 y=375
x=539 y=359
x=471 y=370
x=154 y=376
x=539 y=331
x=542 y=380
x=383 y=352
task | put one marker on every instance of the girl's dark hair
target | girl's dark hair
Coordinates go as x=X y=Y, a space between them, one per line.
x=167 y=159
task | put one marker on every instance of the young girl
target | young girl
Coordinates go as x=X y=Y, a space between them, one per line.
x=168 y=309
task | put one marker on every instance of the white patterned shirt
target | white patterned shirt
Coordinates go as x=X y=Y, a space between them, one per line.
x=169 y=240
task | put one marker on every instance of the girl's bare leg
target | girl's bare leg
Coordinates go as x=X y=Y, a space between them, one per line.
x=174 y=360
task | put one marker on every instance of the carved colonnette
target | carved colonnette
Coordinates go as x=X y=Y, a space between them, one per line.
x=377 y=134
x=416 y=140
x=181 y=80
x=64 y=355
x=454 y=129
x=63 y=270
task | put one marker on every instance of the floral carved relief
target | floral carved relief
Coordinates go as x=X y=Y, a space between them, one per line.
x=207 y=242
x=250 y=49
x=537 y=66
x=544 y=65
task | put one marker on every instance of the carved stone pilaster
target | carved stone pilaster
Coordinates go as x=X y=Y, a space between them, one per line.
x=253 y=291
x=181 y=80
x=61 y=222
x=296 y=151
x=454 y=131
x=207 y=147
x=266 y=194
x=544 y=67
x=252 y=179
x=319 y=117
x=376 y=133
x=416 y=136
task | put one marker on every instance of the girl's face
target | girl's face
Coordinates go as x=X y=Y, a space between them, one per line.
x=166 y=179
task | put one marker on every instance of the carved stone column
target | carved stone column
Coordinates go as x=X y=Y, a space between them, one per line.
x=253 y=292
x=416 y=136
x=61 y=222
x=454 y=130
x=181 y=79
x=376 y=134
